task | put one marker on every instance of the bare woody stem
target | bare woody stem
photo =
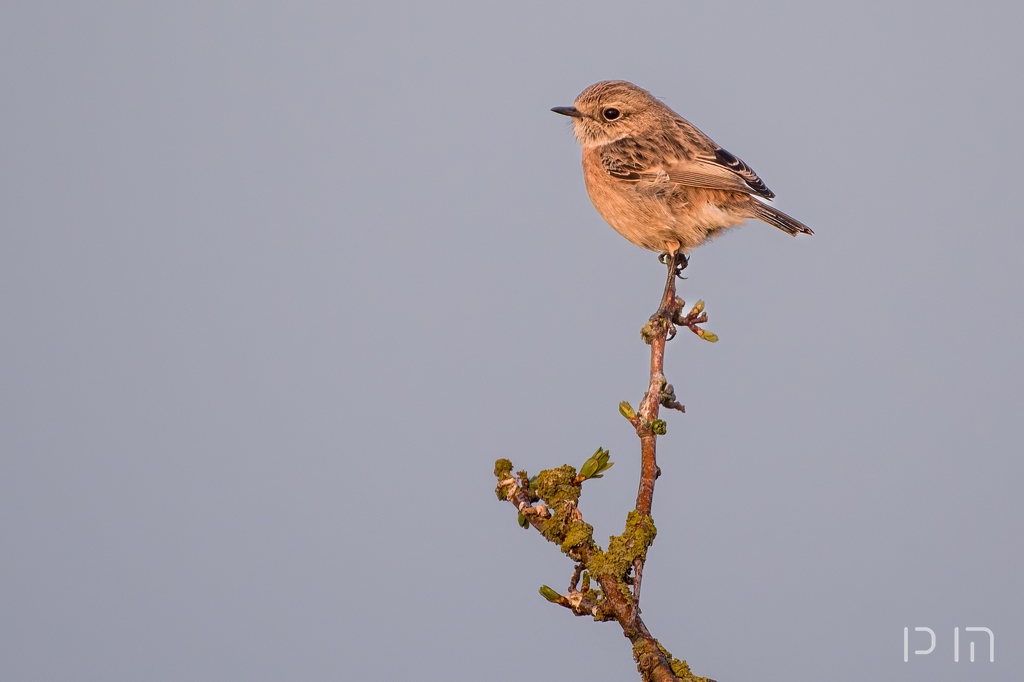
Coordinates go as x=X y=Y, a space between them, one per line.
x=657 y=333
x=660 y=324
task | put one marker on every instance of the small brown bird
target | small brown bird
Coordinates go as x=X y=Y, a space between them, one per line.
x=658 y=180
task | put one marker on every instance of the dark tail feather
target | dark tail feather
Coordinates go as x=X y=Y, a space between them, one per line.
x=775 y=217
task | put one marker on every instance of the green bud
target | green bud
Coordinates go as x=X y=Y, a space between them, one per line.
x=595 y=464
x=549 y=594
x=600 y=462
x=627 y=411
x=706 y=335
x=698 y=308
x=522 y=520
x=659 y=427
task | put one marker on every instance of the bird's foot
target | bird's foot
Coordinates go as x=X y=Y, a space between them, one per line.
x=679 y=262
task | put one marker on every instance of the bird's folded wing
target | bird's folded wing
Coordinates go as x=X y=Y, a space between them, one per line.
x=699 y=173
x=737 y=166
x=721 y=171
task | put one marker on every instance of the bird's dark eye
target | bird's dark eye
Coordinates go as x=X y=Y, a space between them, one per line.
x=610 y=114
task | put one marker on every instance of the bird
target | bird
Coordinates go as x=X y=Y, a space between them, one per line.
x=659 y=181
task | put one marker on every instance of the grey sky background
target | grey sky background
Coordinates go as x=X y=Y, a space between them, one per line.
x=278 y=284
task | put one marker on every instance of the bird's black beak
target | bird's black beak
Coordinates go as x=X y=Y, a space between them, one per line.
x=567 y=111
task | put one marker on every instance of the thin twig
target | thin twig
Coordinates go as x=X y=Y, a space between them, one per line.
x=658 y=329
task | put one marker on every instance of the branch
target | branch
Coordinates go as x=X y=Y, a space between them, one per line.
x=549 y=503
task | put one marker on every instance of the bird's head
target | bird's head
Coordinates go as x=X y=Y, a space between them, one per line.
x=611 y=110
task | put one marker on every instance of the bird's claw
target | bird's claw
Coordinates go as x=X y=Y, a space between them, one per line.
x=680 y=264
